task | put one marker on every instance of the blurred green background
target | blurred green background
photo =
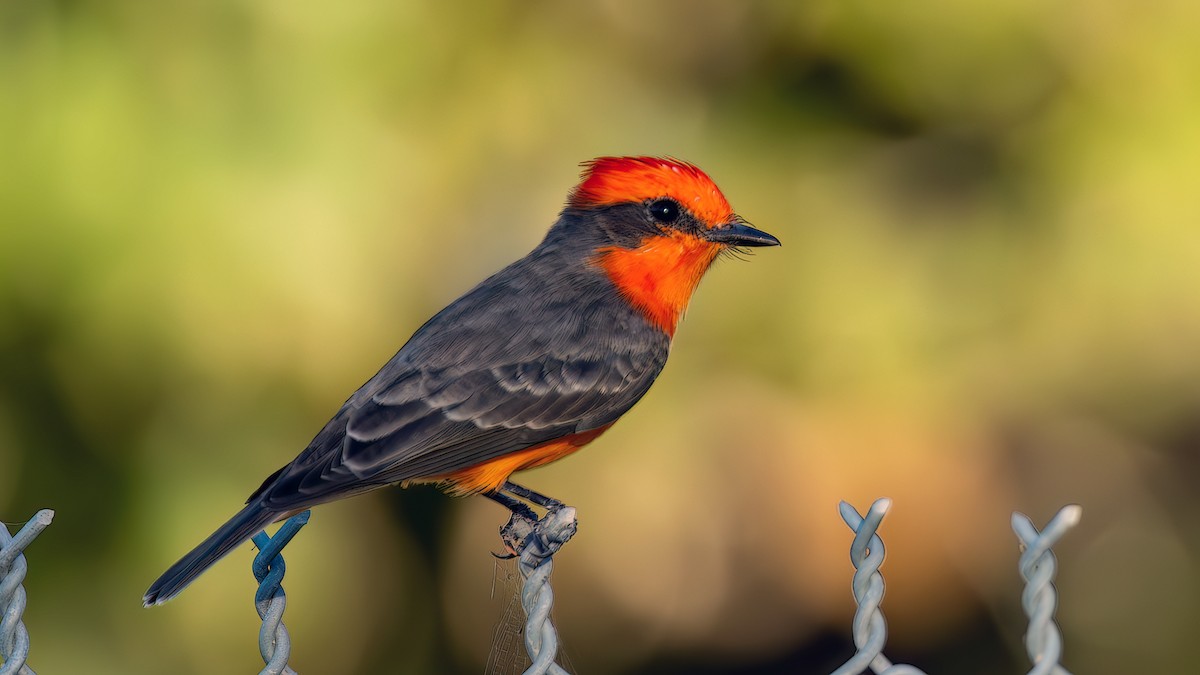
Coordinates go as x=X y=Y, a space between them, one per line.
x=218 y=218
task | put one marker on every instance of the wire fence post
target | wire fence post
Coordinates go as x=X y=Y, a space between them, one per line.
x=273 y=640
x=1043 y=641
x=870 y=628
x=535 y=544
x=14 y=638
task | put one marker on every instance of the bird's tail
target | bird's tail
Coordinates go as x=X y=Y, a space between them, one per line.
x=241 y=527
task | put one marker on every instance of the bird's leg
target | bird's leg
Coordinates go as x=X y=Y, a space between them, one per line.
x=518 y=509
x=548 y=503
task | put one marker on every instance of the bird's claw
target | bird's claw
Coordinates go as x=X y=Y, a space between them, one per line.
x=548 y=533
x=516 y=531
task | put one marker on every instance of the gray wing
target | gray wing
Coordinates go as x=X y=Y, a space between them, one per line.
x=473 y=385
x=428 y=423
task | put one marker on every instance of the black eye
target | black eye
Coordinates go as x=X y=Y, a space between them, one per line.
x=664 y=211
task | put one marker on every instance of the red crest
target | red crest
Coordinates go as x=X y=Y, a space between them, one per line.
x=615 y=180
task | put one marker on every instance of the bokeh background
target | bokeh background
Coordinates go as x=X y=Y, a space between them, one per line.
x=219 y=218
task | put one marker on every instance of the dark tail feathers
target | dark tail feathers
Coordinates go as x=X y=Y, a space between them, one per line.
x=241 y=527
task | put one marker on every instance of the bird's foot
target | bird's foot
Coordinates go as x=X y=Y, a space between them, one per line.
x=524 y=530
x=516 y=531
x=542 y=538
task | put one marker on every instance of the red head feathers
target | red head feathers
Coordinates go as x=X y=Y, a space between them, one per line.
x=613 y=180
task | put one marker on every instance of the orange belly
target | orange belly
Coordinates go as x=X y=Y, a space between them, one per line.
x=490 y=475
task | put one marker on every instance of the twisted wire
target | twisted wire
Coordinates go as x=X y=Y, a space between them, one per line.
x=14 y=637
x=273 y=640
x=537 y=543
x=1043 y=641
x=869 y=628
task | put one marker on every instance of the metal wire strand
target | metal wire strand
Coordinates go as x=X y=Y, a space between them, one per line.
x=1043 y=641
x=870 y=628
x=273 y=640
x=14 y=637
x=536 y=544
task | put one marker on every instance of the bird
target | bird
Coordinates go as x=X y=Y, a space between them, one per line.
x=525 y=368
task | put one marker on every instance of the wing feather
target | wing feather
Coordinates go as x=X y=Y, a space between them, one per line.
x=473 y=385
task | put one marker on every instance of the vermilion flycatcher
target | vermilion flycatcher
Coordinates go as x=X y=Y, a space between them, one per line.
x=527 y=367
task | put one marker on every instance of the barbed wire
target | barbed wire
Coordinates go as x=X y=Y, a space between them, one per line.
x=274 y=642
x=14 y=637
x=535 y=544
x=1037 y=565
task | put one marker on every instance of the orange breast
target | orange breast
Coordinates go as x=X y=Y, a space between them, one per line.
x=659 y=276
x=490 y=475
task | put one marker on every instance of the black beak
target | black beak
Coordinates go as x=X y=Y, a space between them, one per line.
x=739 y=234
